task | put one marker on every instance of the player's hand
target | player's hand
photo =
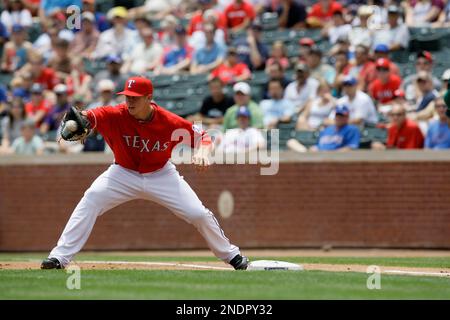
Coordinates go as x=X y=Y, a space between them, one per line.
x=201 y=159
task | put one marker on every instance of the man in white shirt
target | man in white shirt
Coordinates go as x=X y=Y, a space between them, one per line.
x=146 y=55
x=118 y=40
x=303 y=89
x=395 y=34
x=362 y=109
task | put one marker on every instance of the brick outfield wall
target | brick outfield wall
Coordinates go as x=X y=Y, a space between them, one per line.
x=307 y=204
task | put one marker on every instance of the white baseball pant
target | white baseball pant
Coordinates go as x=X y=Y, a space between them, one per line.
x=118 y=185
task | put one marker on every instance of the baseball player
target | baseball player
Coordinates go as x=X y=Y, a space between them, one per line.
x=141 y=135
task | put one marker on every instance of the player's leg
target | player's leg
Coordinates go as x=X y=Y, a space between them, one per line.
x=169 y=189
x=115 y=186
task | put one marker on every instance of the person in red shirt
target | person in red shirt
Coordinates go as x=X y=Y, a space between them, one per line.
x=40 y=73
x=322 y=11
x=383 y=88
x=38 y=107
x=142 y=136
x=382 y=51
x=231 y=70
x=239 y=14
x=197 y=21
x=403 y=133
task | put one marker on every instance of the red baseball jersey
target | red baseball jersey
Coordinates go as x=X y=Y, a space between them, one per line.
x=143 y=146
x=384 y=92
x=236 y=13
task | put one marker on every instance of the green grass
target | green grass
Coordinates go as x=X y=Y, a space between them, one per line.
x=420 y=262
x=202 y=284
x=139 y=284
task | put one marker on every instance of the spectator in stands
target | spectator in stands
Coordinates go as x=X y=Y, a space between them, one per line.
x=361 y=34
x=318 y=109
x=100 y=20
x=239 y=14
x=12 y=123
x=119 y=39
x=341 y=136
x=242 y=98
x=46 y=40
x=15 y=13
x=105 y=93
x=3 y=100
x=251 y=50
x=28 y=143
x=41 y=74
x=38 y=107
x=4 y=35
x=16 y=50
x=337 y=27
x=198 y=38
x=278 y=54
x=424 y=62
x=61 y=60
x=364 y=68
x=197 y=21
x=403 y=133
x=292 y=14
x=276 y=109
x=214 y=106
x=54 y=117
x=319 y=70
x=422 y=12
x=342 y=66
x=304 y=88
x=424 y=108
x=86 y=39
x=382 y=51
x=179 y=58
x=438 y=134
x=79 y=82
x=395 y=33
x=58 y=20
x=306 y=44
x=167 y=34
x=245 y=137
x=322 y=12
x=382 y=89
x=113 y=64
x=275 y=72
x=210 y=56
x=231 y=70
x=146 y=55
x=362 y=109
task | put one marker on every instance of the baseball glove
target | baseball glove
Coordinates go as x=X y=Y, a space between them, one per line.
x=72 y=132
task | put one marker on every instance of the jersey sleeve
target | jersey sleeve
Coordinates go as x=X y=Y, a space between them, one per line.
x=99 y=118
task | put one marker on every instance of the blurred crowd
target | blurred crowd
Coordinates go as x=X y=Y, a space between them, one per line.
x=335 y=92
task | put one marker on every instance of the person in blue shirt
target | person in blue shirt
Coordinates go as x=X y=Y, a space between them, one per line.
x=438 y=134
x=251 y=50
x=210 y=56
x=3 y=34
x=341 y=136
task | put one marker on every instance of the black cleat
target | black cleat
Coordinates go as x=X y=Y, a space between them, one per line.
x=239 y=262
x=51 y=263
